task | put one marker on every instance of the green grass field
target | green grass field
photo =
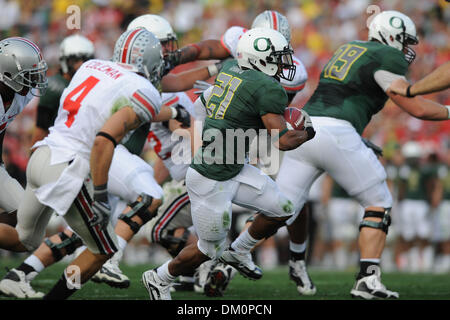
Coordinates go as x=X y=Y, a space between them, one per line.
x=274 y=285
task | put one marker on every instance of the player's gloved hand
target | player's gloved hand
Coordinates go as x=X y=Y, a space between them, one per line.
x=171 y=60
x=201 y=86
x=308 y=125
x=180 y=114
x=100 y=208
x=376 y=149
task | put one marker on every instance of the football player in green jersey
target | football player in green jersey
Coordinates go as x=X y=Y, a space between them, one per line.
x=352 y=88
x=247 y=96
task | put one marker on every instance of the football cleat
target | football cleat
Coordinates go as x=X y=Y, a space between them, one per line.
x=111 y=274
x=157 y=289
x=370 y=287
x=218 y=280
x=242 y=262
x=14 y=284
x=201 y=275
x=299 y=274
x=183 y=284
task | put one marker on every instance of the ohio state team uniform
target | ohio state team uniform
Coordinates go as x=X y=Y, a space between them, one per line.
x=58 y=171
x=11 y=191
x=230 y=40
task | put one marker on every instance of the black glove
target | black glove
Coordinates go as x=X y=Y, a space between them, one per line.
x=171 y=60
x=376 y=149
x=100 y=208
x=183 y=116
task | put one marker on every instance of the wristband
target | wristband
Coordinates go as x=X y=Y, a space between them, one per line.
x=101 y=193
x=408 y=92
x=174 y=112
x=283 y=132
x=107 y=136
x=213 y=70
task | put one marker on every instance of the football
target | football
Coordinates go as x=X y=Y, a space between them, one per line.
x=295 y=120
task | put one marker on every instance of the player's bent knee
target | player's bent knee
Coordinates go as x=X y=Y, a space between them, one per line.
x=383 y=219
x=140 y=208
x=212 y=249
x=67 y=246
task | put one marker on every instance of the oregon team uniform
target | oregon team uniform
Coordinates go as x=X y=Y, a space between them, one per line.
x=238 y=100
x=441 y=219
x=342 y=105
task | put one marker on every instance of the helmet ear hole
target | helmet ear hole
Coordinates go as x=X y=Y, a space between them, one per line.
x=262 y=62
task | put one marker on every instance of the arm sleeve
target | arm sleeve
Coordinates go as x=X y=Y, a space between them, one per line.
x=146 y=103
x=385 y=78
x=271 y=99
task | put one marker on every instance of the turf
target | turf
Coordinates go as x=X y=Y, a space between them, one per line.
x=274 y=285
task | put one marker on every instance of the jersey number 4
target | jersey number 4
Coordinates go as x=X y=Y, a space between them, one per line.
x=224 y=91
x=72 y=106
x=339 y=66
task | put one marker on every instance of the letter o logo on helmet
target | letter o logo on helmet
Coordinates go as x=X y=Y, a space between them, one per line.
x=396 y=22
x=262 y=44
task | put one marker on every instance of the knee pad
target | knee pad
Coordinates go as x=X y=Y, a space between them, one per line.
x=212 y=249
x=174 y=244
x=70 y=244
x=382 y=225
x=138 y=208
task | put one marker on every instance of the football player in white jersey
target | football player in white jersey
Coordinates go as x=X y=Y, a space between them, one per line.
x=82 y=141
x=22 y=74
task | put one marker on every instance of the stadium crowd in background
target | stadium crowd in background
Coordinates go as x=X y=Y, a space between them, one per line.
x=318 y=27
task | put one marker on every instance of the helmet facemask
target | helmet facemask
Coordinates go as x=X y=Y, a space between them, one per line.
x=283 y=58
x=34 y=78
x=171 y=53
x=407 y=40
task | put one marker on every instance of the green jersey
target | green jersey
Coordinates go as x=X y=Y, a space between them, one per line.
x=347 y=89
x=238 y=100
x=415 y=180
x=49 y=103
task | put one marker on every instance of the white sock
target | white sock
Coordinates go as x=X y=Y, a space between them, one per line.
x=244 y=243
x=297 y=247
x=374 y=260
x=35 y=263
x=163 y=273
x=122 y=243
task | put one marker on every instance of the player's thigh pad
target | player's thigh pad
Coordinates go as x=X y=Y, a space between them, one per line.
x=99 y=241
x=295 y=178
x=341 y=152
x=175 y=212
x=11 y=192
x=129 y=176
x=32 y=216
x=257 y=191
x=377 y=195
x=210 y=205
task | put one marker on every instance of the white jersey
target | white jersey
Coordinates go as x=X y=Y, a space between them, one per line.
x=230 y=41
x=19 y=102
x=160 y=137
x=97 y=90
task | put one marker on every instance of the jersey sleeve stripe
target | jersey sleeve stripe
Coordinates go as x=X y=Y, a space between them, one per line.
x=171 y=102
x=127 y=43
x=224 y=45
x=143 y=101
x=298 y=88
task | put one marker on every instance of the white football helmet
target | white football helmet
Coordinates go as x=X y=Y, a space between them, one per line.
x=412 y=149
x=396 y=30
x=160 y=27
x=22 y=65
x=266 y=50
x=273 y=20
x=141 y=51
x=74 y=47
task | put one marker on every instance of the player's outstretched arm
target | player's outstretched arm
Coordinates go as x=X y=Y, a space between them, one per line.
x=203 y=50
x=184 y=80
x=421 y=108
x=290 y=139
x=438 y=80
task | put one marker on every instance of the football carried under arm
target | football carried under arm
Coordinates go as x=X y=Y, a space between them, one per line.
x=289 y=139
